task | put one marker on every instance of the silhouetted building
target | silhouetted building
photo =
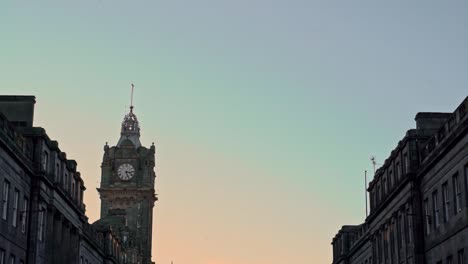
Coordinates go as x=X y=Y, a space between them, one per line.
x=418 y=199
x=42 y=215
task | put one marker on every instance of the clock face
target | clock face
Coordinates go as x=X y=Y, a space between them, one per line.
x=126 y=171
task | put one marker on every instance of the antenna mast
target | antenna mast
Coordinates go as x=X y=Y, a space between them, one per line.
x=131 y=98
x=373 y=162
x=365 y=191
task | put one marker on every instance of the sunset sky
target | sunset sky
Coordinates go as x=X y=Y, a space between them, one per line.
x=264 y=112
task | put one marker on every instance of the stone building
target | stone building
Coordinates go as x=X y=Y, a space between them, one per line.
x=42 y=214
x=418 y=199
x=100 y=245
x=16 y=174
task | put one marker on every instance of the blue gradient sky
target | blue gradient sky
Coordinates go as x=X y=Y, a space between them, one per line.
x=264 y=113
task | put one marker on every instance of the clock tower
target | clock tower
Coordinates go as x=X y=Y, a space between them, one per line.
x=127 y=191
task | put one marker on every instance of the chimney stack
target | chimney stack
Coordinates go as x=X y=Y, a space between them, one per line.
x=19 y=109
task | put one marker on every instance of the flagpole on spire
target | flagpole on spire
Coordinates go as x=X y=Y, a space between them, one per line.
x=131 y=99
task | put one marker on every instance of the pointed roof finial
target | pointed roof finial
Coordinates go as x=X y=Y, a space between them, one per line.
x=131 y=99
x=130 y=126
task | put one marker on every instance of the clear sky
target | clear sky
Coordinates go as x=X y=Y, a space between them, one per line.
x=264 y=112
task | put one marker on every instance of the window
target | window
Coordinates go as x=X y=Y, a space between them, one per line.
x=457 y=193
x=41 y=224
x=461 y=257
x=449 y=260
x=6 y=194
x=379 y=194
x=376 y=246
x=14 y=217
x=81 y=260
x=446 y=200
x=397 y=171
x=392 y=182
x=72 y=188
x=78 y=192
x=392 y=239
x=64 y=177
x=428 y=216
x=403 y=229
x=12 y=259
x=24 y=215
x=399 y=233
x=384 y=186
x=45 y=161
x=81 y=196
x=379 y=243
x=405 y=163
x=57 y=172
x=385 y=240
x=410 y=225
x=466 y=184
x=2 y=256
x=67 y=182
x=436 y=211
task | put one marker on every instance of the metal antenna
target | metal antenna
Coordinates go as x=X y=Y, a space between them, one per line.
x=131 y=99
x=373 y=162
x=365 y=190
